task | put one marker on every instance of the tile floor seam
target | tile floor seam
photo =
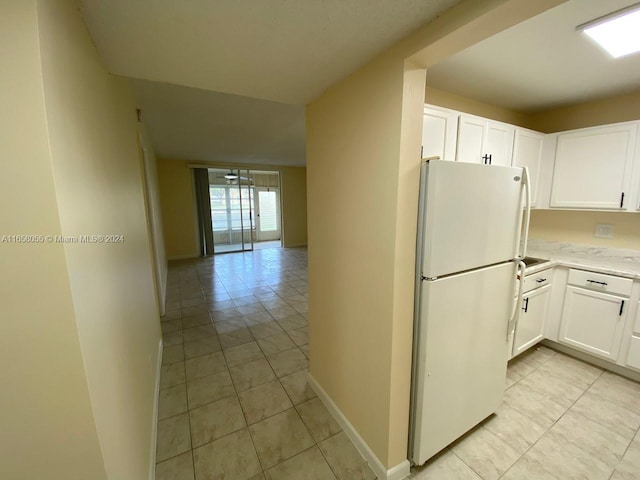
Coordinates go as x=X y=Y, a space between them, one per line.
x=326 y=459
x=609 y=401
x=548 y=429
x=193 y=461
x=478 y=427
x=625 y=450
x=552 y=425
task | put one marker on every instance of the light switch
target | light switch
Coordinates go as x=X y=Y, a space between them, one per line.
x=603 y=231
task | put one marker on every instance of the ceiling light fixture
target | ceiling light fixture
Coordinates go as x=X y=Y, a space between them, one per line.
x=618 y=32
x=231 y=176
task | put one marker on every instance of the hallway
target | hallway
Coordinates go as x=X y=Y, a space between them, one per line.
x=234 y=399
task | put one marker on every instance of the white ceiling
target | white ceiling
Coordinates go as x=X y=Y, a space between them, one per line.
x=253 y=64
x=194 y=124
x=286 y=51
x=542 y=63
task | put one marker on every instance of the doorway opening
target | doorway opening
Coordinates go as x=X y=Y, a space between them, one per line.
x=245 y=209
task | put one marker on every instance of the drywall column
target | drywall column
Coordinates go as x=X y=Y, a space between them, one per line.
x=46 y=423
x=353 y=145
x=362 y=161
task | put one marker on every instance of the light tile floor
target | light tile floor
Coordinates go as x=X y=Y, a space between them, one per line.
x=561 y=419
x=234 y=400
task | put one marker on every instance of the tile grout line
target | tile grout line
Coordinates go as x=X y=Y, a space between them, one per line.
x=222 y=350
x=481 y=424
x=555 y=422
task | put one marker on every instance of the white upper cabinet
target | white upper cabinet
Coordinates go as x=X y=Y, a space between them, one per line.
x=593 y=168
x=527 y=152
x=484 y=141
x=439 y=130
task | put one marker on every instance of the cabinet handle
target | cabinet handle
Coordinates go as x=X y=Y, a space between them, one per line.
x=540 y=280
x=489 y=159
x=526 y=305
x=621 y=308
x=485 y=159
x=622 y=200
x=604 y=284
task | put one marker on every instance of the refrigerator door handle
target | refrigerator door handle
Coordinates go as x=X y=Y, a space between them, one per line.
x=527 y=213
x=511 y=327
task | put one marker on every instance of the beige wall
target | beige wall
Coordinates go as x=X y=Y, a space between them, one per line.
x=177 y=200
x=446 y=99
x=619 y=108
x=363 y=144
x=579 y=227
x=98 y=179
x=47 y=427
x=294 y=206
x=149 y=165
x=179 y=211
x=353 y=145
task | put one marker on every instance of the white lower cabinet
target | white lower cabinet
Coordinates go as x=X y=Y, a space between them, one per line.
x=633 y=355
x=593 y=321
x=530 y=326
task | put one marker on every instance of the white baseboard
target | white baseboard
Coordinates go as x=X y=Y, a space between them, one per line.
x=598 y=362
x=154 y=426
x=294 y=245
x=397 y=472
x=183 y=257
x=163 y=292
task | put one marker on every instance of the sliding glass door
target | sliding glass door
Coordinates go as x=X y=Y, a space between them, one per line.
x=238 y=209
x=232 y=210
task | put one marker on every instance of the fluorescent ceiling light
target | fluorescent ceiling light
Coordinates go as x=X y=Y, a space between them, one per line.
x=618 y=33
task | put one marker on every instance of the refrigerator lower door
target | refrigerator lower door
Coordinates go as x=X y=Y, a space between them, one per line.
x=470 y=216
x=460 y=361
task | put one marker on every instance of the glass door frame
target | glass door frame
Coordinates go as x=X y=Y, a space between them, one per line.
x=244 y=244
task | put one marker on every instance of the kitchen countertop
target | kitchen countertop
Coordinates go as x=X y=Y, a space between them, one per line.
x=613 y=261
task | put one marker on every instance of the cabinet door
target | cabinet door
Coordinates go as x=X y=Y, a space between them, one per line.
x=530 y=327
x=499 y=143
x=593 y=168
x=527 y=152
x=593 y=321
x=471 y=135
x=633 y=356
x=439 y=132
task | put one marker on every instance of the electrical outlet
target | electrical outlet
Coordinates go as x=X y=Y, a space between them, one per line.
x=603 y=231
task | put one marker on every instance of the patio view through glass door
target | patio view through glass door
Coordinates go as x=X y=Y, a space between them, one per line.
x=268 y=214
x=245 y=209
x=232 y=210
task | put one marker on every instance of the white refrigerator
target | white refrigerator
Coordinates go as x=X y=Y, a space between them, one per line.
x=472 y=229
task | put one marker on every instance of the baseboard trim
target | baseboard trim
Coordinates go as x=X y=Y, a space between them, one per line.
x=183 y=257
x=154 y=425
x=294 y=245
x=598 y=362
x=397 y=472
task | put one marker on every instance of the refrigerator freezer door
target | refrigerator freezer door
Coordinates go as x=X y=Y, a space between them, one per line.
x=461 y=359
x=471 y=216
